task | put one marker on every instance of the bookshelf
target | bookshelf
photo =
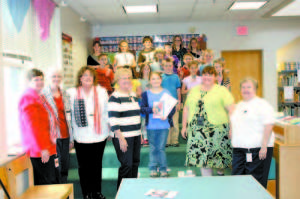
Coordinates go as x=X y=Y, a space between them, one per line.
x=110 y=44
x=289 y=88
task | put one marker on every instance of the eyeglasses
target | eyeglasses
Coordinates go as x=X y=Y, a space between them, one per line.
x=177 y=40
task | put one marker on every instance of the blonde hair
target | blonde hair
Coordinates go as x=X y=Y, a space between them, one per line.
x=159 y=50
x=122 y=71
x=210 y=51
x=194 y=62
x=249 y=79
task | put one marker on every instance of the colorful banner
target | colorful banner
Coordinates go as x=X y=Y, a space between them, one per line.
x=44 y=11
x=18 y=10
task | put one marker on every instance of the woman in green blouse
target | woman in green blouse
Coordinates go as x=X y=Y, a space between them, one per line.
x=205 y=124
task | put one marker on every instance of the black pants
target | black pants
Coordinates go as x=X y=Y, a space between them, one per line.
x=129 y=160
x=45 y=173
x=89 y=157
x=62 y=148
x=259 y=169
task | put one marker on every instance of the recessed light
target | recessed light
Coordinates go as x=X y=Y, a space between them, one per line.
x=292 y=9
x=247 y=5
x=140 y=9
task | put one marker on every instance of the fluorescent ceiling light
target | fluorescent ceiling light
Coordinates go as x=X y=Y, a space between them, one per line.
x=292 y=9
x=243 y=5
x=141 y=9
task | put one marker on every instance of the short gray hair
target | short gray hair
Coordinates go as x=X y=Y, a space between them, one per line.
x=249 y=79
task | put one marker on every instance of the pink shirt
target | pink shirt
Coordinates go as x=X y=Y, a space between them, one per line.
x=190 y=83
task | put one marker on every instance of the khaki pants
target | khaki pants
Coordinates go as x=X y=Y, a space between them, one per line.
x=174 y=131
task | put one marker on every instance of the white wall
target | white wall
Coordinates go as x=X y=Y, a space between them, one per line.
x=289 y=52
x=81 y=35
x=267 y=35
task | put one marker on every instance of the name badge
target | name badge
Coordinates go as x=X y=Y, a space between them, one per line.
x=56 y=162
x=68 y=116
x=200 y=120
x=249 y=157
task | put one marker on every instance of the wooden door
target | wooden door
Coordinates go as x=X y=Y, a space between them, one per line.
x=243 y=64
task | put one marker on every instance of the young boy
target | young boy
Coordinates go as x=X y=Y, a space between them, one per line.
x=168 y=50
x=105 y=75
x=147 y=54
x=171 y=82
x=184 y=71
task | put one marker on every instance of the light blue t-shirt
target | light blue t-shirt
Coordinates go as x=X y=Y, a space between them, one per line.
x=171 y=82
x=155 y=123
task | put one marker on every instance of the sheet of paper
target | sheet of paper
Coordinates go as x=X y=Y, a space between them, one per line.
x=169 y=103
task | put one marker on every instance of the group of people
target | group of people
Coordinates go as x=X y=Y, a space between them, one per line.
x=116 y=101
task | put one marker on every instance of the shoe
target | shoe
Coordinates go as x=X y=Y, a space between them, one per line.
x=167 y=145
x=145 y=143
x=176 y=145
x=153 y=174
x=98 y=195
x=88 y=196
x=164 y=174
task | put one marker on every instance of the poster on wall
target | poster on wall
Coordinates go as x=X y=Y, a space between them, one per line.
x=68 y=73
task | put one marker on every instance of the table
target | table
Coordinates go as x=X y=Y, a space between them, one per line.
x=216 y=187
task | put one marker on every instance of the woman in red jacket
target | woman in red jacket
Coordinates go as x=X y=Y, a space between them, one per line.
x=38 y=134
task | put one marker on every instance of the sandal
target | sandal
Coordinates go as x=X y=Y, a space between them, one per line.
x=153 y=174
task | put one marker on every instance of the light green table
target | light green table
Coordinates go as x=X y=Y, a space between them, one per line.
x=223 y=187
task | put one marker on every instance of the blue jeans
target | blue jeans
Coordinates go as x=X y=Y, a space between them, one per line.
x=157 y=141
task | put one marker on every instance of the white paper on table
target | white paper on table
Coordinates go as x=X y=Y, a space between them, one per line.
x=288 y=93
x=169 y=103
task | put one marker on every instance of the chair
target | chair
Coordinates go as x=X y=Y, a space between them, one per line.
x=23 y=164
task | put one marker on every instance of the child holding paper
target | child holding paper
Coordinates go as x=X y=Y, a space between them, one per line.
x=158 y=123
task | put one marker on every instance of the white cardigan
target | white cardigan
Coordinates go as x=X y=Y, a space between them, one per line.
x=88 y=134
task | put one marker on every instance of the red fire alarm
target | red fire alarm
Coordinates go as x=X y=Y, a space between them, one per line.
x=242 y=30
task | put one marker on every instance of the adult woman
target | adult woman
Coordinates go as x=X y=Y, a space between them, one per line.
x=222 y=74
x=90 y=130
x=59 y=102
x=125 y=122
x=124 y=57
x=38 y=134
x=92 y=60
x=206 y=111
x=194 y=48
x=178 y=49
x=252 y=137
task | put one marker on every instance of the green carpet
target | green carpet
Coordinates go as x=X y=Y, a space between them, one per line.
x=175 y=157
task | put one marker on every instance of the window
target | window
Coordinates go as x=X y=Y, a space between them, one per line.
x=14 y=86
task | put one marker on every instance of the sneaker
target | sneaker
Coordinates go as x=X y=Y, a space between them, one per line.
x=167 y=145
x=164 y=174
x=153 y=174
x=145 y=143
x=176 y=145
x=98 y=196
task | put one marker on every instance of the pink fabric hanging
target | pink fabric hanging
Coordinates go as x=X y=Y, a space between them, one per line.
x=44 y=11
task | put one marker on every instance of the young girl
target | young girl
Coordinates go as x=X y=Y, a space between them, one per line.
x=124 y=57
x=192 y=80
x=157 y=128
x=159 y=55
x=145 y=85
x=222 y=76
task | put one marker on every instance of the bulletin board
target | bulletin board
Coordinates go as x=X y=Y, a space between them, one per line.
x=68 y=72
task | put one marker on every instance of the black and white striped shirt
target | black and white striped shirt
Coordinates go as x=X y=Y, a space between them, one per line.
x=124 y=114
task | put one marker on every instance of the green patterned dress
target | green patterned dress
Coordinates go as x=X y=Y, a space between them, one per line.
x=208 y=145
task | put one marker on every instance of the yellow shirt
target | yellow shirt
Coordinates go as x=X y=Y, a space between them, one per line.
x=215 y=102
x=135 y=84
